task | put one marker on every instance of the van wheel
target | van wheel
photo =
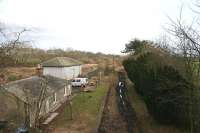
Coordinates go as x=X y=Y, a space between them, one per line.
x=83 y=86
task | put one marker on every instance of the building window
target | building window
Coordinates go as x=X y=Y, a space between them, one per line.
x=65 y=91
x=69 y=90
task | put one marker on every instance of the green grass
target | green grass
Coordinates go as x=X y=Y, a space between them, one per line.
x=12 y=78
x=90 y=102
x=85 y=108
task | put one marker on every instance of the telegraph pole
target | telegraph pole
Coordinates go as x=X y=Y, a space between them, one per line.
x=113 y=64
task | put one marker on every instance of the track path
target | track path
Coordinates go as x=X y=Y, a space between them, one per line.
x=112 y=121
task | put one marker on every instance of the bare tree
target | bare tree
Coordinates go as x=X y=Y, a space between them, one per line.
x=40 y=100
x=8 y=42
x=188 y=46
x=33 y=106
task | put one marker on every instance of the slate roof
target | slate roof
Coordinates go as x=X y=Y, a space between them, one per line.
x=31 y=87
x=61 y=62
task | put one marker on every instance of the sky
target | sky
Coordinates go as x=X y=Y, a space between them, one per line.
x=90 y=25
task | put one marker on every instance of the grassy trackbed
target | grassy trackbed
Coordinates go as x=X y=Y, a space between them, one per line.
x=85 y=108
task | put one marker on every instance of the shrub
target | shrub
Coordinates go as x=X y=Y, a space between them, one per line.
x=164 y=89
x=12 y=78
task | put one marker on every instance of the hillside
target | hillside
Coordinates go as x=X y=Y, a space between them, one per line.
x=24 y=60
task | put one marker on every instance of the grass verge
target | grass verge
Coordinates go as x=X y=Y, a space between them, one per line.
x=85 y=109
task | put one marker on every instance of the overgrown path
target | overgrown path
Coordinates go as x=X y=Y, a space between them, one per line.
x=118 y=117
x=112 y=121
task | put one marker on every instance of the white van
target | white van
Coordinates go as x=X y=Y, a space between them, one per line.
x=78 y=82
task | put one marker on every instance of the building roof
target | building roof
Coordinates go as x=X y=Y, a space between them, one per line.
x=31 y=87
x=61 y=62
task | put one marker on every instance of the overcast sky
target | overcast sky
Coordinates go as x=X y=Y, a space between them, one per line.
x=90 y=25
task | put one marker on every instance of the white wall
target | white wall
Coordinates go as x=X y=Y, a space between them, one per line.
x=62 y=72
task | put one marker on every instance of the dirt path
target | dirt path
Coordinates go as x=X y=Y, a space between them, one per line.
x=112 y=121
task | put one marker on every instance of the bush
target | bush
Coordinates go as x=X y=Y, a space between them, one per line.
x=164 y=89
x=12 y=78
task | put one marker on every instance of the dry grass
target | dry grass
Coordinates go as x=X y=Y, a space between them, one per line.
x=86 y=68
x=21 y=71
x=16 y=73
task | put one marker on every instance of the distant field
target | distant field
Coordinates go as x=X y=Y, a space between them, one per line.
x=16 y=73
x=86 y=68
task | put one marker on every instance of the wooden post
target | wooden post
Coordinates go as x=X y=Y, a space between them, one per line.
x=100 y=75
x=113 y=83
x=70 y=107
x=83 y=91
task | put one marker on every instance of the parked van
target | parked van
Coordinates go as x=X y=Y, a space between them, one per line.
x=78 y=82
